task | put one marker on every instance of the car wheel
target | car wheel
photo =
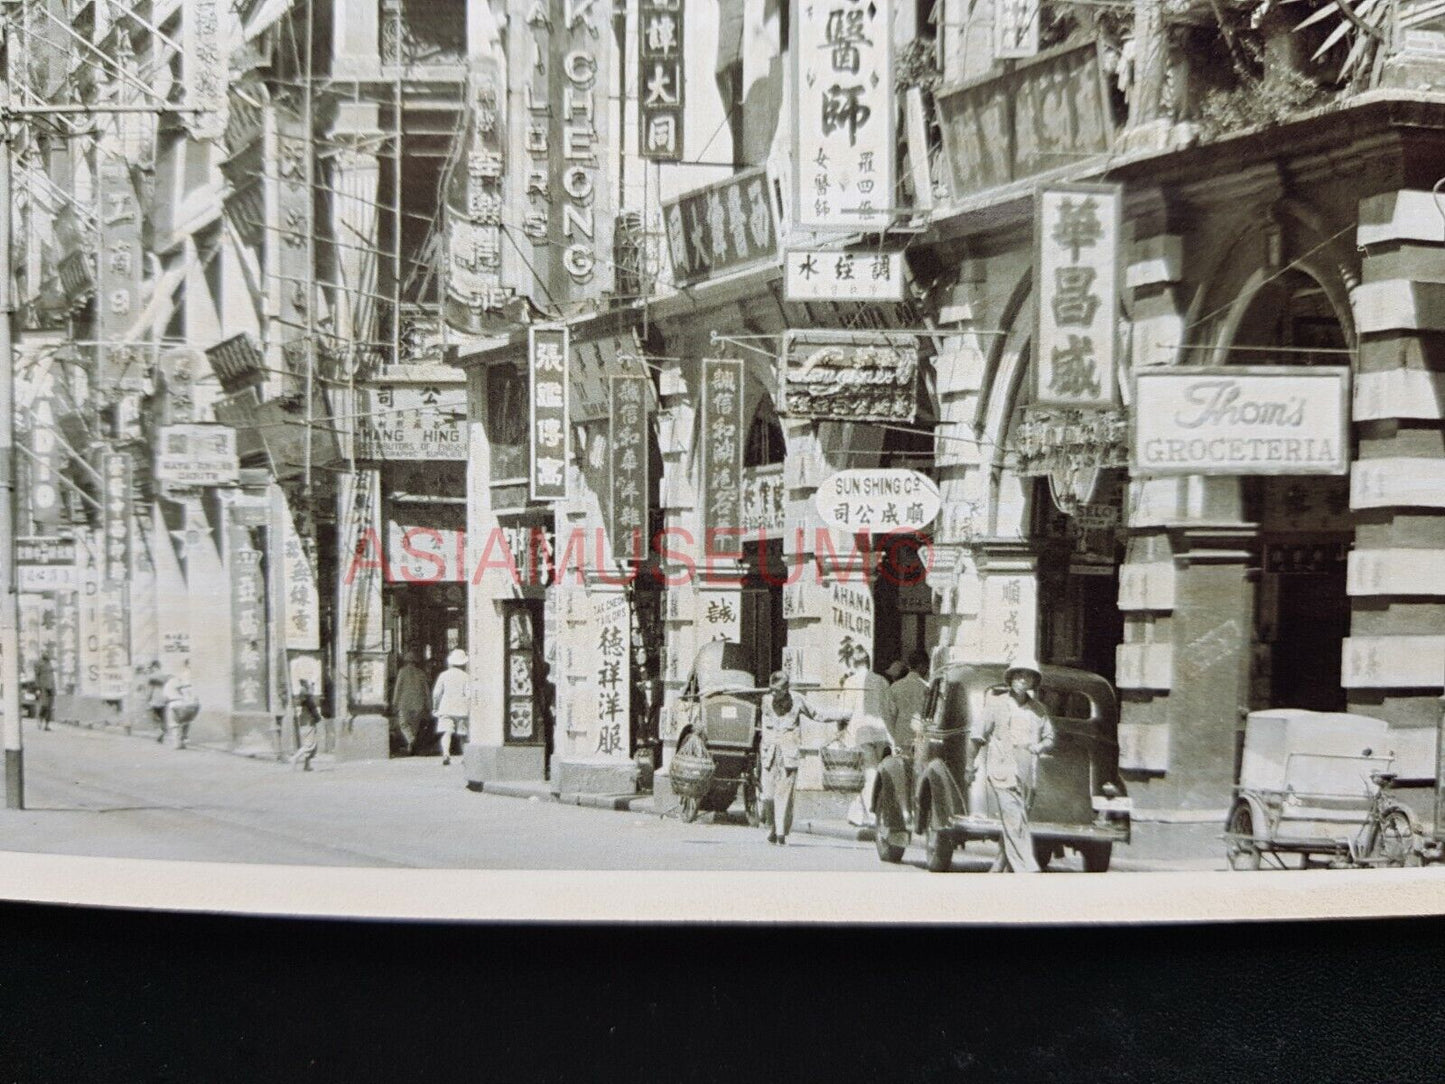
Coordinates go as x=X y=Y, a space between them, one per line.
x=1394 y=843
x=690 y=806
x=1043 y=854
x=886 y=827
x=751 y=805
x=1096 y=856
x=1240 y=848
x=938 y=843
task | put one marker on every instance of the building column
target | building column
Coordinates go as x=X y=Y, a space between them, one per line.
x=1183 y=669
x=1394 y=658
x=488 y=757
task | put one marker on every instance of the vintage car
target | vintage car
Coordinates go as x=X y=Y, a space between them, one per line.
x=719 y=706
x=1079 y=801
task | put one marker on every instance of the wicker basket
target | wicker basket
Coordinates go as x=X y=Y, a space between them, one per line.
x=842 y=767
x=691 y=775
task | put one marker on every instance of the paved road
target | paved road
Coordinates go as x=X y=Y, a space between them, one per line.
x=98 y=793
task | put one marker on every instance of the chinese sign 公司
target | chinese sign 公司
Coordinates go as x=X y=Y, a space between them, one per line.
x=722 y=443
x=627 y=522
x=844 y=115
x=721 y=228
x=550 y=439
x=1077 y=228
x=660 y=44
x=813 y=275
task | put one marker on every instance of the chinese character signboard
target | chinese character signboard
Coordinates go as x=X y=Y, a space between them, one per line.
x=299 y=599
x=1077 y=235
x=45 y=564
x=721 y=228
x=115 y=516
x=722 y=443
x=413 y=421
x=248 y=632
x=765 y=501
x=67 y=641
x=877 y=501
x=591 y=364
x=291 y=195
x=843 y=168
x=1242 y=420
x=551 y=437
x=660 y=45
x=627 y=458
x=851 y=376
x=1015 y=29
x=204 y=69
x=1048 y=112
x=813 y=275
x=197 y=455
x=118 y=281
x=475 y=296
x=45 y=463
x=613 y=678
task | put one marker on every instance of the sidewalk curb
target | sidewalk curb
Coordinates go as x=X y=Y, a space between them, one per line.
x=642 y=803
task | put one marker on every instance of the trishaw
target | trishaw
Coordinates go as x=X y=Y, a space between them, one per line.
x=1079 y=801
x=1315 y=783
x=717 y=743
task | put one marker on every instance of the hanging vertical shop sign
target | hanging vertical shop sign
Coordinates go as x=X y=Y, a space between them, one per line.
x=116 y=516
x=118 y=285
x=591 y=363
x=475 y=296
x=45 y=564
x=248 y=630
x=298 y=586
x=528 y=191
x=551 y=438
x=1015 y=29
x=67 y=640
x=204 y=69
x=660 y=46
x=293 y=209
x=1077 y=238
x=45 y=463
x=627 y=459
x=581 y=229
x=721 y=228
x=722 y=443
x=844 y=115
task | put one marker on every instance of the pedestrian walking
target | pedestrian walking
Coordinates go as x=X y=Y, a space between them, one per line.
x=782 y=715
x=410 y=699
x=1017 y=730
x=156 y=700
x=308 y=724
x=181 y=706
x=44 y=690
x=450 y=702
x=903 y=711
x=866 y=695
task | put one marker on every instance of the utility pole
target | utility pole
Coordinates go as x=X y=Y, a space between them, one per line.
x=9 y=599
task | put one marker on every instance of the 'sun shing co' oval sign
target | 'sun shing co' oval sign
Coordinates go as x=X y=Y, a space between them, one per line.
x=877 y=501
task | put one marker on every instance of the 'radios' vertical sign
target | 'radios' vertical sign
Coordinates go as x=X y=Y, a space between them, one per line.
x=547 y=351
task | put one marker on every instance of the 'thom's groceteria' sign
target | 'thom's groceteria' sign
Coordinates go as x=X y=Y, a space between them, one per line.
x=1242 y=420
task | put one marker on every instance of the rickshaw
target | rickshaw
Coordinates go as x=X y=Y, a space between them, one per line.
x=717 y=744
x=1315 y=783
x=1079 y=801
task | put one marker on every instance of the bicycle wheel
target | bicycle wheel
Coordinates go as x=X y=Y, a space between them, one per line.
x=1394 y=842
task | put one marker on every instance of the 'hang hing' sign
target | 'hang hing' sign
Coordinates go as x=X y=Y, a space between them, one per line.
x=1077 y=233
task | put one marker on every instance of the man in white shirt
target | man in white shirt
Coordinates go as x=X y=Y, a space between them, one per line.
x=1017 y=730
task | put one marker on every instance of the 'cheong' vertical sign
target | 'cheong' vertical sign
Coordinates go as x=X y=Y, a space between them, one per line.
x=722 y=443
x=1076 y=229
x=547 y=351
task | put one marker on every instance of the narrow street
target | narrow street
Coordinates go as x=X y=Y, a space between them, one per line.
x=98 y=793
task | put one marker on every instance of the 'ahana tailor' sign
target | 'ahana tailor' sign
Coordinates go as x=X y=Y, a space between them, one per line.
x=1242 y=420
x=851 y=375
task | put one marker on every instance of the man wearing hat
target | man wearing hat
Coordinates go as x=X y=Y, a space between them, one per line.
x=1017 y=730
x=450 y=701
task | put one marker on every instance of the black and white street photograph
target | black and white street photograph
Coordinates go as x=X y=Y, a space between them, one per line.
x=915 y=440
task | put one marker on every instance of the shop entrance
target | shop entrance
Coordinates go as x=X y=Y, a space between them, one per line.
x=430 y=617
x=1080 y=623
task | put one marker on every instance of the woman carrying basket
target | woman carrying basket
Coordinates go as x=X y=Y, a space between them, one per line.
x=782 y=715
